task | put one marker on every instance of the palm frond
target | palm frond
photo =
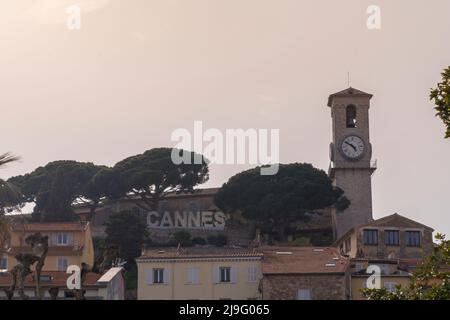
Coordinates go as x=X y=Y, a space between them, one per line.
x=7 y=158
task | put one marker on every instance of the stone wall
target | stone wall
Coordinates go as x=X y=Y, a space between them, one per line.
x=322 y=286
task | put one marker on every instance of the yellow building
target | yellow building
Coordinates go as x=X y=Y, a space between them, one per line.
x=109 y=286
x=392 y=274
x=70 y=243
x=199 y=273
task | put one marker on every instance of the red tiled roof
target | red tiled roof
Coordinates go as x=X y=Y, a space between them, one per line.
x=199 y=252
x=49 y=226
x=52 y=250
x=58 y=279
x=303 y=260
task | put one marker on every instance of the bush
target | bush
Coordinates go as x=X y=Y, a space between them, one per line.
x=199 y=241
x=219 y=240
x=183 y=238
x=301 y=242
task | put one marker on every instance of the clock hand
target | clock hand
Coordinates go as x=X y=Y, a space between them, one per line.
x=354 y=148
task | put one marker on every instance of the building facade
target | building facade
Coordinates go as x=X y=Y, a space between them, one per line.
x=392 y=237
x=109 y=286
x=393 y=273
x=304 y=273
x=394 y=244
x=199 y=273
x=70 y=243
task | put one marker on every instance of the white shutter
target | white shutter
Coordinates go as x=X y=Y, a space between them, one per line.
x=166 y=275
x=190 y=275
x=252 y=274
x=216 y=275
x=55 y=239
x=233 y=275
x=149 y=276
x=196 y=275
x=70 y=239
x=193 y=275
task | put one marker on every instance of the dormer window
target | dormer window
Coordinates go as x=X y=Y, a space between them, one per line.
x=351 y=116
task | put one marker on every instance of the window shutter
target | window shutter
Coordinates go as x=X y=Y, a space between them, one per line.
x=166 y=275
x=70 y=239
x=252 y=272
x=216 y=275
x=197 y=275
x=193 y=275
x=189 y=275
x=149 y=276
x=233 y=275
x=55 y=239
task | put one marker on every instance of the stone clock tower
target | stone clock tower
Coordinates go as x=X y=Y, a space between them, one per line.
x=350 y=155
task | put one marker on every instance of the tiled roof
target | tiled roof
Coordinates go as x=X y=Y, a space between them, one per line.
x=349 y=91
x=303 y=260
x=52 y=250
x=49 y=226
x=58 y=279
x=199 y=252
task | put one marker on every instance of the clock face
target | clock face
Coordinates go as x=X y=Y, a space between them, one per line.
x=353 y=147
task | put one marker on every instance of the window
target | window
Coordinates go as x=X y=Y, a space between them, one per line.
x=3 y=263
x=304 y=294
x=158 y=275
x=351 y=116
x=413 y=238
x=63 y=263
x=193 y=275
x=371 y=237
x=391 y=237
x=63 y=239
x=252 y=274
x=390 y=286
x=225 y=274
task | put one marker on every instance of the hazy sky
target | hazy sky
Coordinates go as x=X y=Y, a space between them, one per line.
x=139 y=69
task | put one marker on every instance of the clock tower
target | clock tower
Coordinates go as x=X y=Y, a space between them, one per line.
x=350 y=154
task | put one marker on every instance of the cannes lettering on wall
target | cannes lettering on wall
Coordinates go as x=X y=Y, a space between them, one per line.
x=187 y=220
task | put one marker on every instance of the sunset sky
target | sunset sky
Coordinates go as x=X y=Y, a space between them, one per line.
x=139 y=69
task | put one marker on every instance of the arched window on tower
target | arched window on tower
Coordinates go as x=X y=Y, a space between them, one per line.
x=351 y=116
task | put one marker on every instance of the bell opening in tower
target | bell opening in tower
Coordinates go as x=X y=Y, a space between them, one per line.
x=351 y=116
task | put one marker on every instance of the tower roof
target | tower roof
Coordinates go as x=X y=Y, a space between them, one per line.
x=349 y=92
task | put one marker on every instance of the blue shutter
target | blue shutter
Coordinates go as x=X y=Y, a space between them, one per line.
x=166 y=276
x=233 y=275
x=149 y=276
